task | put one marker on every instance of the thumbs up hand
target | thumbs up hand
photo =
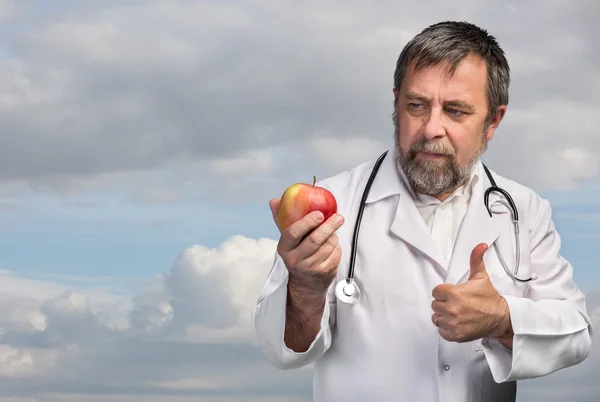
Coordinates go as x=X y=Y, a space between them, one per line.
x=471 y=310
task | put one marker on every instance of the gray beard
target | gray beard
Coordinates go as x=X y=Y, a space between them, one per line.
x=432 y=177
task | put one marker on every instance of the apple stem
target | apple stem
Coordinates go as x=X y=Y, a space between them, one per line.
x=314 y=180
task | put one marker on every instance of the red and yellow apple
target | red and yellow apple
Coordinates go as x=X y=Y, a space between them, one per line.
x=300 y=199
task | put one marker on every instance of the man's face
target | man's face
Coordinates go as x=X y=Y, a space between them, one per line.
x=441 y=127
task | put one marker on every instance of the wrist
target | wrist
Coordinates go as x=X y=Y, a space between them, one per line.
x=304 y=300
x=304 y=311
x=307 y=288
x=504 y=332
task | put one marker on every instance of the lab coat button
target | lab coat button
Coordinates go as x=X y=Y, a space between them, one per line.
x=446 y=367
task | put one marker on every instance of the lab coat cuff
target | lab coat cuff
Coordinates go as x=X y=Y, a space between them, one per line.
x=503 y=360
x=317 y=346
x=273 y=309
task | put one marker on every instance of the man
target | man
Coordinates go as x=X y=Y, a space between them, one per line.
x=439 y=317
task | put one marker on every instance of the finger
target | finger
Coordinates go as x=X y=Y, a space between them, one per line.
x=296 y=232
x=435 y=319
x=318 y=236
x=328 y=268
x=320 y=276
x=443 y=322
x=322 y=253
x=274 y=205
x=438 y=307
x=446 y=333
x=477 y=265
x=441 y=292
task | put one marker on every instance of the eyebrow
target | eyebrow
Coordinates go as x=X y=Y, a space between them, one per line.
x=451 y=103
x=416 y=96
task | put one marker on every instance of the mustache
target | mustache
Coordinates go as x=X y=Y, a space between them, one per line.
x=431 y=147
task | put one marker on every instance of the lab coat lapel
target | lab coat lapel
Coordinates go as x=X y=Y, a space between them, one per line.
x=407 y=224
x=410 y=227
x=477 y=227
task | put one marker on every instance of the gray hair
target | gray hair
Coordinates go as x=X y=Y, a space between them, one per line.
x=451 y=42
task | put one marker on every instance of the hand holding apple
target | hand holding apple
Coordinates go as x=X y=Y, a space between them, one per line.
x=307 y=218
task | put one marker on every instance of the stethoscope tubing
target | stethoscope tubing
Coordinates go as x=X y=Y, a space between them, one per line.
x=348 y=291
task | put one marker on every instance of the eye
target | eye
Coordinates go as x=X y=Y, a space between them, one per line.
x=414 y=106
x=454 y=112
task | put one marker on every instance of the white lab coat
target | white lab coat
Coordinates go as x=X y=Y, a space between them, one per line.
x=385 y=348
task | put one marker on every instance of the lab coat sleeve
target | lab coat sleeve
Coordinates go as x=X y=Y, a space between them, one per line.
x=552 y=329
x=269 y=318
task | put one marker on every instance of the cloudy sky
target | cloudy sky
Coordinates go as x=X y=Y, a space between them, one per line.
x=140 y=143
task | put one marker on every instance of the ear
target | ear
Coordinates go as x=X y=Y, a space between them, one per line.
x=396 y=92
x=500 y=112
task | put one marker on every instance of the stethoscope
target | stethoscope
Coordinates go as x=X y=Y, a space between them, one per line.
x=347 y=290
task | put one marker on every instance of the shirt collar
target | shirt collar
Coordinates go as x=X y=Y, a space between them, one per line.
x=388 y=181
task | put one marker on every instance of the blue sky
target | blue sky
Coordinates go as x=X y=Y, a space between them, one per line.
x=140 y=144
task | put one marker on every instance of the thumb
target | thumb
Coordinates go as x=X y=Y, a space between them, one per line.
x=477 y=265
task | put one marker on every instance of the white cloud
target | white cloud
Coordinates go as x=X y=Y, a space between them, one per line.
x=207 y=293
x=91 y=101
x=249 y=162
x=343 y=153
x=12 y=285
x=10 y=9
x=560 y=156
x=187 y=334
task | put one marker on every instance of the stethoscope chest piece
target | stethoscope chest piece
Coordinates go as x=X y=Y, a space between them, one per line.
x=347 y=291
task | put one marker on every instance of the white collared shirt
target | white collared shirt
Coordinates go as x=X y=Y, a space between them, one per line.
x=443 y=218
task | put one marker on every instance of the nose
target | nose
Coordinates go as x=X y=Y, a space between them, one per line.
x=433 y=124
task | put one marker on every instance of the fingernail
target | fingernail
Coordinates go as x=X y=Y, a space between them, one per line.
x=339 y=219
x=319 y=216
